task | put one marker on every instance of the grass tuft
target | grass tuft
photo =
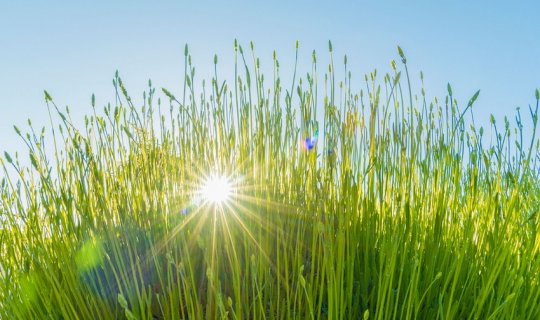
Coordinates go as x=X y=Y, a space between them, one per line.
x=344 y=204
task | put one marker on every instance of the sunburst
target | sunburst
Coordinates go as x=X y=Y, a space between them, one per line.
x=216 y=189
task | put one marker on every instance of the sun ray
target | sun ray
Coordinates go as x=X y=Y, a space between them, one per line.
x=281 y=207
x=254 y=217
x=250 y=235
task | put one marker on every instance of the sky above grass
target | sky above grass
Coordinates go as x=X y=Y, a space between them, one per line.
x=72 y=49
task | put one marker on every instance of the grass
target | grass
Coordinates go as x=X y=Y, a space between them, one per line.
x=390 y=207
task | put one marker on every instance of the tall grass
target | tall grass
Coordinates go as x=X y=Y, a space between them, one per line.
x=398 y=208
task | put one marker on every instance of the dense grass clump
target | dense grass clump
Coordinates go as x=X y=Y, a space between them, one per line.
x=346 y=203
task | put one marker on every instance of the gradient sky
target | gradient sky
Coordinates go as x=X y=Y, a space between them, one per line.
x=72 y=49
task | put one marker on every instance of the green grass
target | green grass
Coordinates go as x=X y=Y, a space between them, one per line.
x=401 y=210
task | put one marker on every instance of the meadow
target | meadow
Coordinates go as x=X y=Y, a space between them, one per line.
x=254 y=200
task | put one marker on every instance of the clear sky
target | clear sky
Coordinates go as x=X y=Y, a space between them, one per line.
x=72 y=49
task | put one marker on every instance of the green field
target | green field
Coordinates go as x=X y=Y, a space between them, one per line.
x=249 y=199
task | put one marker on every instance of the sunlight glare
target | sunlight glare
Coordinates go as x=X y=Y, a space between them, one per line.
x=216 y=189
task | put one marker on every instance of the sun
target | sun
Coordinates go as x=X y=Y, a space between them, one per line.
x=216 y=189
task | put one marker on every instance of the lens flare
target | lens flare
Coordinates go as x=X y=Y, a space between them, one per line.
x=312 y=135
x=310 y=142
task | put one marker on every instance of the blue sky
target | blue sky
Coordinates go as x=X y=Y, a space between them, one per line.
x=72 y=49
